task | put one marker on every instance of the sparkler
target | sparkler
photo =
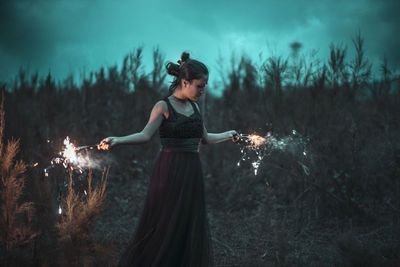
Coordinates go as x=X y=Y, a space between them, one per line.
x=79 y=148
x=71 y=158
x=263 y=146
x=253 y=143
x=253 y=139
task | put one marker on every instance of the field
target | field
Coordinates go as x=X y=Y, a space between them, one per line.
x=329 y=196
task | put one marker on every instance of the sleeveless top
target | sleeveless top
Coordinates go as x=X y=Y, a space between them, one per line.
x=180 y=132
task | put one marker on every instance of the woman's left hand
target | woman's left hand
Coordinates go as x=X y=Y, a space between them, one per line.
x=233 y=135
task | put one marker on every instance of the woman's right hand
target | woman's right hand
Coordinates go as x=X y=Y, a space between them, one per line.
x=107 y=143
x=233 y=135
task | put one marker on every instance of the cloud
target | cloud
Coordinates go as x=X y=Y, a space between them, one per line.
x=23 y=33
x=70 y=34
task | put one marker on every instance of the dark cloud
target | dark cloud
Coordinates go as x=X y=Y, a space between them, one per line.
x=69 y=34
x=382 y=31
x=377 y=20
x=25 y=35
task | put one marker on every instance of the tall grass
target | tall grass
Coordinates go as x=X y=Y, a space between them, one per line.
x=79 y=211
x=76 y=243
x=15 y=214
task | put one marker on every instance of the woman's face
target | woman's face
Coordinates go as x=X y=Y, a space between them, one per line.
x=194 y=89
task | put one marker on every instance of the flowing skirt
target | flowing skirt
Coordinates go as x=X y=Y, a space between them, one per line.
x=173 y=228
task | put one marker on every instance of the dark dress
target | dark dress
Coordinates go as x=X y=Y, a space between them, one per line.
x=173 y=228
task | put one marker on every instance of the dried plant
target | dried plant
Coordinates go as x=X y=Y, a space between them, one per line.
x=15 y=216
x=275 y=71
x=79 y=214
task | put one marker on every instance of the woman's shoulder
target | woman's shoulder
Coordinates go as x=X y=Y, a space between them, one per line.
x=162 y=105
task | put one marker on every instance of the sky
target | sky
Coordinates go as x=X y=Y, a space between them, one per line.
x=78 y=36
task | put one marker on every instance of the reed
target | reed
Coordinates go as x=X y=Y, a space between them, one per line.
x=77 y=244
x=15 y=215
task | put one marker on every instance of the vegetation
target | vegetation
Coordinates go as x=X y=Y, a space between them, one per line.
x=337 y=206
x=79 y=214
x=16 y=217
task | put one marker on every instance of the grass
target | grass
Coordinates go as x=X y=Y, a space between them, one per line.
x=79 y=212
x=16 y=215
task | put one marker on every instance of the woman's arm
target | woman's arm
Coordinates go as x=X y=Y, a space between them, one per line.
x=213 y=138
x=155 y=120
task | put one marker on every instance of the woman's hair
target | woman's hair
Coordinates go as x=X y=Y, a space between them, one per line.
x=188 y=69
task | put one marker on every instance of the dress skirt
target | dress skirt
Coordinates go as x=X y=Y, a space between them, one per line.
x=173 y=228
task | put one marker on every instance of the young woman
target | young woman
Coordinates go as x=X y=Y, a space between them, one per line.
x=173 y=228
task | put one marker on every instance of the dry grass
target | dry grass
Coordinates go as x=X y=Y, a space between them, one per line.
x=15 y=216
x=77 y=246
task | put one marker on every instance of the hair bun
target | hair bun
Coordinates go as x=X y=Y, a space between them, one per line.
x=173 y=69
x=185 y=56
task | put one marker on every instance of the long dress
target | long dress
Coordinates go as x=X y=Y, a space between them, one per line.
x=173 y=228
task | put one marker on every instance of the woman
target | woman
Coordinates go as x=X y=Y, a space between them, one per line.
x=173 y=227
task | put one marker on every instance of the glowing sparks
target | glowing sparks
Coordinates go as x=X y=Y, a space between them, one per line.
x=255 y=144
x=255 y=164
x=34 y=165
x=257 y=147
x=71 y=158
x=257 y=140
x=69 y=151
x=74 y=160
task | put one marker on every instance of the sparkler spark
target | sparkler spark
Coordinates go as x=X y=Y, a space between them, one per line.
x=254 y=143
x=260 y=147
x=257 y=140
x=70 y=157
x=255 y=164
x=69 y=151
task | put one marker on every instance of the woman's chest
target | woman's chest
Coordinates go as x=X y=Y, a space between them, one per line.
x=182 y=127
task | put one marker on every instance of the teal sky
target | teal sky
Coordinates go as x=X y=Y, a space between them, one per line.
x=73 y=36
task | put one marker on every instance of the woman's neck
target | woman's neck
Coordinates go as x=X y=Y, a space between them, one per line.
x=180 y=96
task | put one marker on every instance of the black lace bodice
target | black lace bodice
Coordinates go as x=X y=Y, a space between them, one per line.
x=180 y=126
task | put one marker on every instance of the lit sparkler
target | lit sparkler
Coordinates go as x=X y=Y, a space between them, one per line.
x=70 y=156
x=253 y=143
x=254 y=140
x=263 y=146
